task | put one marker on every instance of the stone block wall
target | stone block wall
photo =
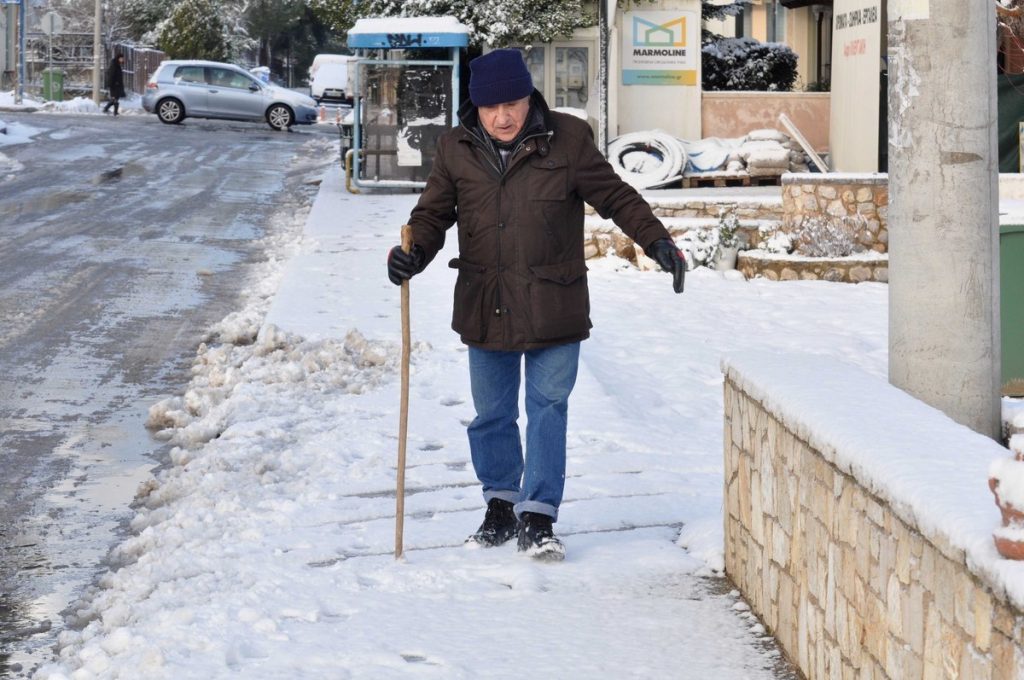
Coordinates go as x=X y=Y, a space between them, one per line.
x=777 y=267
x=681 y=214
x=862 y=199
x=848 y=586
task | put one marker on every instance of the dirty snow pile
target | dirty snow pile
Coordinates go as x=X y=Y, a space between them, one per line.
x=276 y=358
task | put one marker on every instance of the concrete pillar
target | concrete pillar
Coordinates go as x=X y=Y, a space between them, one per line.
x=944 y=341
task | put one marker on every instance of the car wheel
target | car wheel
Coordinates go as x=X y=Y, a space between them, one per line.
x=170 y=111
x=280 y=117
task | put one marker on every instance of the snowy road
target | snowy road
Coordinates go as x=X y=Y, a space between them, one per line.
x=121 y=241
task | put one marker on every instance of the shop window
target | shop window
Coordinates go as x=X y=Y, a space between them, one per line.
x=563 y=72
x=776 y=16
x=535 y=62
x=572 y=77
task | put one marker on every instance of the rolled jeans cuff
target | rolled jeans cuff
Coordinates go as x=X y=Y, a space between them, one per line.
x=510 y=496
x=537 y=507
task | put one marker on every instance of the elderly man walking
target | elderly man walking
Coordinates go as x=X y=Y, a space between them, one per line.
x=515 y=176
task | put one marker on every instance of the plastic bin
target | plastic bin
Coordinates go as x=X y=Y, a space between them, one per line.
x=1011 y=306
x=53 y=85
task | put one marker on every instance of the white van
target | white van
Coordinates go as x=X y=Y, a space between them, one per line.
x=329 y=78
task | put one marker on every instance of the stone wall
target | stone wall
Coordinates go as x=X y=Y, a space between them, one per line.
x=707 y=207
x=850 y=586
x=862 y=200
x=855 y=269
x=681 y=214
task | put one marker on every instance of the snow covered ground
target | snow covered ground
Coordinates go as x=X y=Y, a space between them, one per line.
x=265 y=550
x=132 y=104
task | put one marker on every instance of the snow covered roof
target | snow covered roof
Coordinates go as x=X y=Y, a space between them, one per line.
x=408 y=33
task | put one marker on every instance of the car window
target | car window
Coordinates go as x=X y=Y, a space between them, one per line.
x=223 y=77
x=189 y=74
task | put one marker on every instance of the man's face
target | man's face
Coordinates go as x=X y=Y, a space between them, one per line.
x=504 y=121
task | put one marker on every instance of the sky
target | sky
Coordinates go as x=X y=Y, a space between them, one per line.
x=264 y=548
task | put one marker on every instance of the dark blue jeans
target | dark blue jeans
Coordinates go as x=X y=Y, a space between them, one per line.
x=494 y=440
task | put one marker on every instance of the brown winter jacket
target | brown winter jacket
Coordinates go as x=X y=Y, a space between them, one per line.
x=522 y=278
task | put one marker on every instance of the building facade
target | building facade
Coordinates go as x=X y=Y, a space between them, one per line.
x=653 y=60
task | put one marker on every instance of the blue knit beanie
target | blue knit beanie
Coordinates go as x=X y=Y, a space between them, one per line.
x=498 y=77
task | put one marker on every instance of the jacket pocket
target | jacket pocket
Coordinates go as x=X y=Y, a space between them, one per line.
x=559 y=301
x=468 y=307
x=549 y=179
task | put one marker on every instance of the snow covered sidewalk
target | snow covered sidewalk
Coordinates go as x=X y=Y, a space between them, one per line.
x=265 y=551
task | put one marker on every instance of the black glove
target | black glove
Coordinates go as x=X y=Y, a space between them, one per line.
x=402 y=266
x=665 y=253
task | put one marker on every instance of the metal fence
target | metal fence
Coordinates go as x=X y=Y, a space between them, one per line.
x=139 y=64
x=71 y=53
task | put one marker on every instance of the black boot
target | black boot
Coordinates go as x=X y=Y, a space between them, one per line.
x=499 y=524
x=537 y=539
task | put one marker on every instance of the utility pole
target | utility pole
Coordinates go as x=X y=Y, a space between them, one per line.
x=604 y=26
x=97 y=53
x=944 y=332
x=18 y=19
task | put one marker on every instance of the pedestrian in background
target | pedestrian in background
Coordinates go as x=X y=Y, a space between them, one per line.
x=115 y=83
x=515 y=176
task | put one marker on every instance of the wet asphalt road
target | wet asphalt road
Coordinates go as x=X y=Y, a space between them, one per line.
x=121 y=241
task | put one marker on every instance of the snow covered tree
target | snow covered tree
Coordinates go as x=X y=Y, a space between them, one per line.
x=288 y=33
x=337 y=15
x=492 y=22
x=271 y=21
x=747 y=64
x=195 y=29
x=142 y=17
x=742 y=63
x=720 y=9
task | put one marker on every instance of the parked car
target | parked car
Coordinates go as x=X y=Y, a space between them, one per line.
x=329 y=78
x=209 y=89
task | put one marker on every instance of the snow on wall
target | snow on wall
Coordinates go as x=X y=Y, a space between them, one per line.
x=932 y=471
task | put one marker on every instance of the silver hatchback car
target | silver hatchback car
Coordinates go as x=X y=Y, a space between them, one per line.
x=210 y=89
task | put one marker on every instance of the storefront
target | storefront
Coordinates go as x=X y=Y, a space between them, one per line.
x=653 y=63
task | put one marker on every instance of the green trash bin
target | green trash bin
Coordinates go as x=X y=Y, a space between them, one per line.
x=1011 y=306
x=53 y=85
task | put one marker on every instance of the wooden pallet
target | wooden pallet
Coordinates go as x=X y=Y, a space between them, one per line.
x=769 y=181
x=714 y=179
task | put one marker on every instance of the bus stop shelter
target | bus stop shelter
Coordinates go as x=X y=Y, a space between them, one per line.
x=406 y=94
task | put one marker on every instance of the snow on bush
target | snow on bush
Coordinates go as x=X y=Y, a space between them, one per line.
x=774 y=241
x=829 y=236
x=747 y=64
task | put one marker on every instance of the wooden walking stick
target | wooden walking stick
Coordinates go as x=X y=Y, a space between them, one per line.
x=403 y=418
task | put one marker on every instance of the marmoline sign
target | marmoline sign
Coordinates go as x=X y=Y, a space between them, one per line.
x=656 y=48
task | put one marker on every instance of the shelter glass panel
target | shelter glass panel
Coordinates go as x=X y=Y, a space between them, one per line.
x=405 y=108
